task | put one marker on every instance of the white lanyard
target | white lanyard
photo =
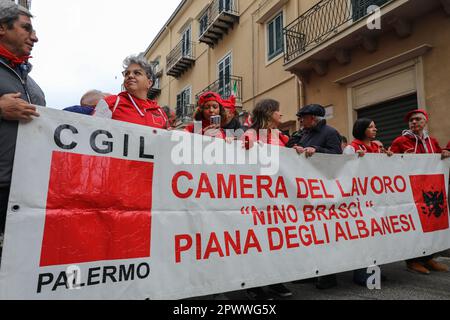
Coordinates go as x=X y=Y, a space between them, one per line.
x=135 y=105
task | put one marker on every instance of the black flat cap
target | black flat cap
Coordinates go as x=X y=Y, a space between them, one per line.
x=313 y=109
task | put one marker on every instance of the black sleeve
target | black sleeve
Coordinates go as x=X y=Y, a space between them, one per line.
x=294 y=140
x=234 y=128
x=333 y=144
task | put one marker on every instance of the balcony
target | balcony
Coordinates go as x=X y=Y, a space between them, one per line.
x=155 y=91
x=217 y=20
x=180 y=59
x=332 y=28
x=226 y=87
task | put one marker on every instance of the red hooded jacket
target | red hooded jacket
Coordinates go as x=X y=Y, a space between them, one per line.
x=143 y=112
x=411 y=143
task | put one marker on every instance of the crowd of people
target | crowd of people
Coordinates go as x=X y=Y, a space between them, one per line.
x=214 y=116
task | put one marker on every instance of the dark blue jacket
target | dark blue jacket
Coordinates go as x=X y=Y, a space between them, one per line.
x=80 y=110
x=322 y=137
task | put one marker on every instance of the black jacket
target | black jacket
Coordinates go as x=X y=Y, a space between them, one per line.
x=322 y=137
x=234 y=127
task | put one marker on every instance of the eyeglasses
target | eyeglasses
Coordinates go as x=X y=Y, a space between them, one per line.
x=136 y=73
x=417 y=119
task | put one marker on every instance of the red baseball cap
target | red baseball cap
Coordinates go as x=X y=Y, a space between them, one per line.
x=408 y=116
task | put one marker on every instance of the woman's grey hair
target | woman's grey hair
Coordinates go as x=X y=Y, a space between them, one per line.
x=144 y=64
x=10 y=11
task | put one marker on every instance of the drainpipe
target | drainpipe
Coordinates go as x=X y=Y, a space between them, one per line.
x=255 y=29
x=168 y=77
x=253 y=60
x=301 y=93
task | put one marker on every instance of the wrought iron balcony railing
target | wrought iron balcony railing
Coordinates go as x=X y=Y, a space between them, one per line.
x=218 y=18
x=226 y=88
x=323 y=21
x=181 y=58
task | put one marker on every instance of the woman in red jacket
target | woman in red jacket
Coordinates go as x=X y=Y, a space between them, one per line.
x=266 y=120
x=365 y=132
x=133 y=104
x=209 y=116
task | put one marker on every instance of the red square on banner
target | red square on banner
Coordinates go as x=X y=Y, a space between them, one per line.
x=98 y=209
x=431 y=201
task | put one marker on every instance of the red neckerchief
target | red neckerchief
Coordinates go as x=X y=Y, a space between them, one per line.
x=12 y=58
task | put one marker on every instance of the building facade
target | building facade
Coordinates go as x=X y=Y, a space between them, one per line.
x=298 y=52
x=25 y=3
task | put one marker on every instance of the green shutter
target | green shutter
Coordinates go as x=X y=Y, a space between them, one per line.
x=389 y=117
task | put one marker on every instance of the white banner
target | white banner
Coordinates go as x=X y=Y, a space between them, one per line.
x=101 y=209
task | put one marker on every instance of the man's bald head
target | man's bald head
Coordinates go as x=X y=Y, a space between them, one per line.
x=91 y=98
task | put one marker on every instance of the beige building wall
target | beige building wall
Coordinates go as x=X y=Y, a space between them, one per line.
x=434 y=30
x=247 y=43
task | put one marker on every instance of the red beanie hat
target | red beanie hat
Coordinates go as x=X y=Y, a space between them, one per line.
x=230 y=104
x=209 y=96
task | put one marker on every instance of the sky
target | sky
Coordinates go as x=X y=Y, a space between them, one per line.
x=82 y=43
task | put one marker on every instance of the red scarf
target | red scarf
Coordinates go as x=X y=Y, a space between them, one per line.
x=12 y=58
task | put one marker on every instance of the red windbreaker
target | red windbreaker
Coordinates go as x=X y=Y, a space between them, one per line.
x=411 y=143
x=125 y=107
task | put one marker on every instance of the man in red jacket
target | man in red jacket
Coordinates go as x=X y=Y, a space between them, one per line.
x=416 y=140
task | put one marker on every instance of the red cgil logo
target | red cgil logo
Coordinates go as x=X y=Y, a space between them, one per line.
x=431 y=201
x=98 y=209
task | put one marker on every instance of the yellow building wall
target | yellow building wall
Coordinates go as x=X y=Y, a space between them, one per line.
x=247 y=42
x=432 y=29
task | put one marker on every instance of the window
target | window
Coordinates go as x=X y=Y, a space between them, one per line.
x=183 y=103
x=360 y=7
x=224 y=5
x=275 y=41
x=203 y=23
x=186 y=43
x=224 y=70
x=156 y=67
x=157 y=84
x=156 y=73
